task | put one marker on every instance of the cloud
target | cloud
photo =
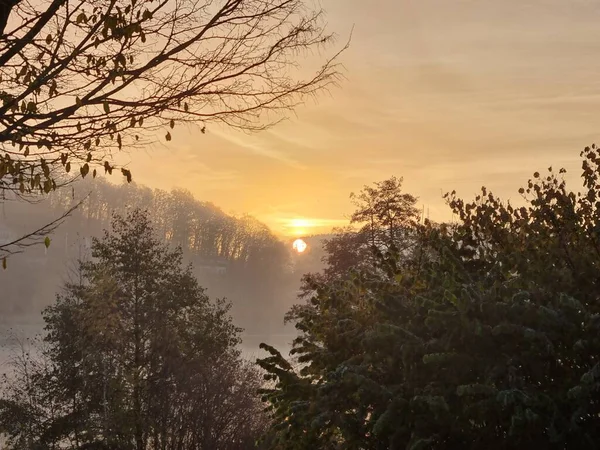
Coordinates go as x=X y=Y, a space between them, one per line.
x=256 y=145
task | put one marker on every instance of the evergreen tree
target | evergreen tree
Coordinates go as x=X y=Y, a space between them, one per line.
x=139 y=357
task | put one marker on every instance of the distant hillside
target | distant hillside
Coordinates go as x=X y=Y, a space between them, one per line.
x=235 y=257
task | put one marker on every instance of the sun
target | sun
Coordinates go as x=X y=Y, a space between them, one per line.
x=299 y=245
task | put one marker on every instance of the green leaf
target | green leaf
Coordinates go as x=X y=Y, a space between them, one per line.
x=106 y=107
x=47 y=242
x=4 y=263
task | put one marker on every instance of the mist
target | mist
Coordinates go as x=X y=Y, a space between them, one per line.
x=235 y=258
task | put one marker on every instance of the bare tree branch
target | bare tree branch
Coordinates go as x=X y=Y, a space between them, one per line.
x=80 y=79
x=37 y=236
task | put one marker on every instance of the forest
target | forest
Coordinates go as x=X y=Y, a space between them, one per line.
x=157 y=321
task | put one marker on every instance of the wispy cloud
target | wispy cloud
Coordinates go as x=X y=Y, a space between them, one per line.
x=256 y=145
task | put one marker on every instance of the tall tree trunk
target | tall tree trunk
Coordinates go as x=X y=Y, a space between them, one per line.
x=137 y=404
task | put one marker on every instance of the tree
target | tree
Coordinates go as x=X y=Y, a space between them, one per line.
x=487 y=340
x=385 y=213
x=80 y=79
x=138 y=357
x=387 y=219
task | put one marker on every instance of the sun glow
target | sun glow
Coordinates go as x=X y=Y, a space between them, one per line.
x=300 y=223
x=300 y=227
x=299 y=245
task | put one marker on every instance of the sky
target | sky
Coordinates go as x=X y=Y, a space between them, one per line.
x=446 y=94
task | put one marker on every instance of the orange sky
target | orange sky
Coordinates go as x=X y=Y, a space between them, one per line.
x=448 y=95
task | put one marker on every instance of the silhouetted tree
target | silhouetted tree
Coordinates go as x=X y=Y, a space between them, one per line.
x=385 y=213
x=387 y=220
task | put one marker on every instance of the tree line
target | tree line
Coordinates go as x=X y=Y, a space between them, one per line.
x=201 y=229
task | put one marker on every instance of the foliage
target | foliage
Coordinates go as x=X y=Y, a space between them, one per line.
x=81 y=79
x=385 y=212
x=386 y=218
x=486 y=337
x=136 y=356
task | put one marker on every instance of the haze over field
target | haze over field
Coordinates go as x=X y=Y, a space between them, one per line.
x=237 y=258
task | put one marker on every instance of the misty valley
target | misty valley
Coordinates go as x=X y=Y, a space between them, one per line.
x=299 y=225
x=235 y=258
